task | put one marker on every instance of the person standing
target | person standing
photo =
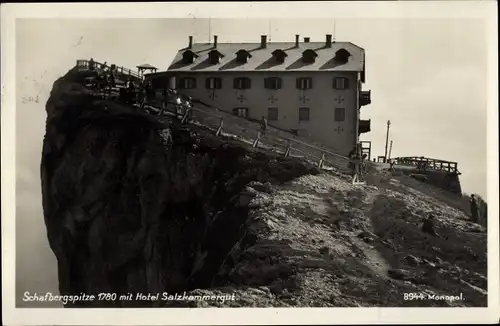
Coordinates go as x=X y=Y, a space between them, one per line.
x=263 y=123
x=91 y=64
x=474 y=209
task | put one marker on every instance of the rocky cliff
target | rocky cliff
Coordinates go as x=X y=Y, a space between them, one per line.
x=134 y=204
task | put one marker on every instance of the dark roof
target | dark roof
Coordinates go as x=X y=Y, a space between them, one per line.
x=146 y=66
x=262 y=58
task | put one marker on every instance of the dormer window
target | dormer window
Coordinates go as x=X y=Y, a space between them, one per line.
x=189 y=57
x=214 y=57
x=342 y=56
x=309 y=56
x=242 y=56
x=279 y=55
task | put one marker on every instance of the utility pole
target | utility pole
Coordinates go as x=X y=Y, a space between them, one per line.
x=387 y=140
x=390 y=151
x=209 y=30
x=269 y=30
x=334 y=30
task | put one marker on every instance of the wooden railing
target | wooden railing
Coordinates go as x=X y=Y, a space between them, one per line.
x=427 y=163
x=85 y=65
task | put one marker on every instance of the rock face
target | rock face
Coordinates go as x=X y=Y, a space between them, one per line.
x=134 y=205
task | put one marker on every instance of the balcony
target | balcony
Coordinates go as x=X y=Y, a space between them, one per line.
x=365 y=98
x=364 y=126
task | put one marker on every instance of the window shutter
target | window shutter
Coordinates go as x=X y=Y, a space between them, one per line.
x=298 y=83
x=279 y=82
x=346 y=83
x=249 y=83
x=266 y=83
x=207 y=83
x=235 y=83
x=310 y=82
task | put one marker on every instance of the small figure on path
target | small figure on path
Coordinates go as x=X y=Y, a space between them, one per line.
x=263 y=123
x=363 y=163
x=91 y=64
x=428 y=226
x=353 y=160
x=474 y=209
x=391 y=165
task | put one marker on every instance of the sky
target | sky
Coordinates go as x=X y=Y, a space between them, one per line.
x=428 y=76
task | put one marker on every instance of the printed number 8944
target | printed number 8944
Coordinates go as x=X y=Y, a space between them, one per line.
x=414 y=296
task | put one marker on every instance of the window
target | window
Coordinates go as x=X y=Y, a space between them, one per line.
x=214 y=57
x=188 y=57
x=340 y=83
x=273 y=83
x=242 y=56
x=241 y=112
x=303 y=114
x=339 y=114
x=187 y=83
x=213 y=83
x=272 y=114
x=279 y=55
x=342 y=56
x=304 y=83
x=309 y=56
x=242 y=83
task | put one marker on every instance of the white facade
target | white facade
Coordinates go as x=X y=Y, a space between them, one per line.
x=321 y=100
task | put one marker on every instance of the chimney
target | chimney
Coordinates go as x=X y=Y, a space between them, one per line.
x=306 y=39
x=297 y=40
x=190 y=42
x=263 y=41
x=215 y=41
x=328 y=43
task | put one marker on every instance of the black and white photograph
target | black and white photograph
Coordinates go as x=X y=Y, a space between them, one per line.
x=222 y=155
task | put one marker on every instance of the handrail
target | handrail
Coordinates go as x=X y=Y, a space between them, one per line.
x=284 y=137
x=83 y=63
x=286 y=140
x=430 y=163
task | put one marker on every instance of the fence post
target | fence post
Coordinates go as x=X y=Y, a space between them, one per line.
x=288 y=149
x=256 y=142
x=184 y=118
x=219 y=130
x=320 y=164
x=162 y=107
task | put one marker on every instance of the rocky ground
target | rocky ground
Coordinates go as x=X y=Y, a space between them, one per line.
x=133 y=204
x=325 y=242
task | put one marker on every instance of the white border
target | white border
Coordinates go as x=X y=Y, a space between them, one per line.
x=429 y=9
